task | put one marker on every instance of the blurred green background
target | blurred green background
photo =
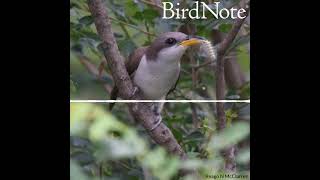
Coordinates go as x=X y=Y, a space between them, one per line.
x=113 y=146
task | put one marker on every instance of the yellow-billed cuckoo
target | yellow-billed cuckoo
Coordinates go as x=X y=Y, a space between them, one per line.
x=155 y=69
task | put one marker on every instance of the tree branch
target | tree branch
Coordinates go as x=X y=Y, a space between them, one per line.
x=229 y=154
x=225 y=44
x=141 y=111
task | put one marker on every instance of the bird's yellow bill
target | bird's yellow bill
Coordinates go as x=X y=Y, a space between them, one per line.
x=190 y=42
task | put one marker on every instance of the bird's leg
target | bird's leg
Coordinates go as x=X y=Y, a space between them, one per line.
x=157 y=108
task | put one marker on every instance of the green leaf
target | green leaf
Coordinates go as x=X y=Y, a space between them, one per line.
x=177 y=134
x=138 y=16
x=243 y=156
x=78 y=117
x=73 y=88
x=162 y=166
x=230 y=116
x=86 y=20
x=150 y=14
x=230 y=136
x=225 y=27
x=130 y=8
x=126 y=46
x=243 y=58
x=76 y=172
x=245 y=91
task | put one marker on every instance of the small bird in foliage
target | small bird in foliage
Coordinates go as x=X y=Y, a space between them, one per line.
x=155 y=69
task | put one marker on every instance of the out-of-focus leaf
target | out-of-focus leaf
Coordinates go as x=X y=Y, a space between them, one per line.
x=243 y=156
x=192 y=164
x=225 y=27
x=230 y=115
x=243 y=58
x=79 y=116
x=131 y=8
x=126 y=46
x=76 y=172
x=86 y=20
x=72 y=86
x=102 y=130
x=230 y=136
x=193 y=154
x=245 y=91
x=118 y=149
x=80 y=4
x=150 y=14
x=177 y=134
x=138 y=16
x=161 y=165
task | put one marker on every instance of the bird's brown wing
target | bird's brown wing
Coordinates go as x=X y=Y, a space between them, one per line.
x=131 y=65
x=134 y=59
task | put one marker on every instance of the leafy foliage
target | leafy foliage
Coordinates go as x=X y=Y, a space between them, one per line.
x=103 y=146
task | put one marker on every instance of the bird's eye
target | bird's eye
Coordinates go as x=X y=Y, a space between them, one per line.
x=171 y=41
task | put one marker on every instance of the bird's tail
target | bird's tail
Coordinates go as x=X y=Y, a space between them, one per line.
x=113 y=96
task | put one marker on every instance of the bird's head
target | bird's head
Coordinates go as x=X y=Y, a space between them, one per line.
x=170 y=46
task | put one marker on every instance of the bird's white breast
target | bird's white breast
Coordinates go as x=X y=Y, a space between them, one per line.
x=156 y=78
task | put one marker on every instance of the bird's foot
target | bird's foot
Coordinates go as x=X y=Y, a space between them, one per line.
x=156 y=109
x=157 y=122
x=157 y=112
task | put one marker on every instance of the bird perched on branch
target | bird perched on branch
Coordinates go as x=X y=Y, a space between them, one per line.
x=155 y=69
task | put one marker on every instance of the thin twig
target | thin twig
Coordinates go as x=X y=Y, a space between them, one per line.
x=91 y=68
x=203 y=64
x=147 y=28
x=152 y=4
x=224 y=45
x=194 y=72
x=132 y=26
x=209 y=62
